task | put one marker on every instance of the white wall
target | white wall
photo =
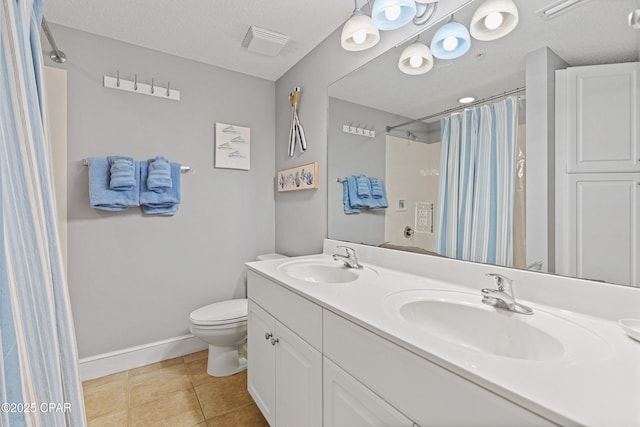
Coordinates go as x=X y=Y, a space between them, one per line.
x=134 y=279
x=412 y=170
x=301 y=216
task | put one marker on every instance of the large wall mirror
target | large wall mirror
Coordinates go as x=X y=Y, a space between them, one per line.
x=373 y=131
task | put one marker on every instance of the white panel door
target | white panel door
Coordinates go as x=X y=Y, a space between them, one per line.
x=298 y=381
x=602 y=117
x=261 y=360
x=348 y=403
x=604 y=214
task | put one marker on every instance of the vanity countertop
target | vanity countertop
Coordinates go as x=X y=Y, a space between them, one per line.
x=599 y=385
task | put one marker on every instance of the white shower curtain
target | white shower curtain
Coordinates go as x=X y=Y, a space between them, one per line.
x=476 y=187
x=39 y=381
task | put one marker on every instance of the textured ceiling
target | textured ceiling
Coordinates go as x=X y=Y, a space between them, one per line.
x=209 y=31
x=594 y=33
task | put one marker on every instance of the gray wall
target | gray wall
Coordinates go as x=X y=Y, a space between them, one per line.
x=134 y=279
x=349 y=154
x=540 y=117
x=301 y=216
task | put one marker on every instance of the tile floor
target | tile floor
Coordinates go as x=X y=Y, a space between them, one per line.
x=176 y=392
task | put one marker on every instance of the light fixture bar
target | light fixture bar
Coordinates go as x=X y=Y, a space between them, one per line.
x=558 y=7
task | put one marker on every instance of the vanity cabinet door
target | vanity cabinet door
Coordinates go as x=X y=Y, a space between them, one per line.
x=285 y=372
x=298 y=381
x=348 y=403
x=261 y=360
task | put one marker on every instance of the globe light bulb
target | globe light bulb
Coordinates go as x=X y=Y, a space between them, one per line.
x=450 y=43
x=493 y=20
x=392 y=12
x=416 y=61
x=359 y=36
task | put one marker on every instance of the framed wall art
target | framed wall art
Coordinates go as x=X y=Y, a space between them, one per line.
x=304 y=177
x=232 y=146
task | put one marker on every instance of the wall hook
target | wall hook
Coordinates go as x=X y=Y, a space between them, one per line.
x=152 y=88
x=135 y=82
x=118 y=78
x=168 y=86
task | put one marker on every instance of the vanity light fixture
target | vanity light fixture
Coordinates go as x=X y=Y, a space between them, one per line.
x=416 y=59
x=358 y=32
x=452 y=40
x=466 y=100
x=425 y=9
x=493 y=19
x=392 y=14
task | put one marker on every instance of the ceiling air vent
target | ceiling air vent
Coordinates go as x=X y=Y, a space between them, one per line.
x=558 y=8
x=263 y=41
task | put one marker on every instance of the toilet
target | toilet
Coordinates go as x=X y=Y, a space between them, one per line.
x=223 y=325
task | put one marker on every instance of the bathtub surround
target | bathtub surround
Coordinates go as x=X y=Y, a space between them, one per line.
x=133 y=280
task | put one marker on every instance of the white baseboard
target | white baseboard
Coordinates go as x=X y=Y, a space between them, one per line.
x=134 y=357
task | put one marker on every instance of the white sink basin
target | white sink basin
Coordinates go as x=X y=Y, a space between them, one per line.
x=462 y=319
x=318 y=271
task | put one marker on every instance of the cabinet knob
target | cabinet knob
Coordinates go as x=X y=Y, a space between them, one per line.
x=274 y=341
x=267 y=335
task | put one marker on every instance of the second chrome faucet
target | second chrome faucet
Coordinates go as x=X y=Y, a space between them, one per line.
x=503 y=297
x=350 y=260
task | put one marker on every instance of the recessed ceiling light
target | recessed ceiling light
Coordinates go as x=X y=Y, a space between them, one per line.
x=466 y=100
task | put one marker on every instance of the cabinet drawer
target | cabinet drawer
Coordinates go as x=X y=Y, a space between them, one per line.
x=422 y=390
x=297 y=313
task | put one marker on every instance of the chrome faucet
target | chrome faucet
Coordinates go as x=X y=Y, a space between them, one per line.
x=350 y=260
x=503 y=297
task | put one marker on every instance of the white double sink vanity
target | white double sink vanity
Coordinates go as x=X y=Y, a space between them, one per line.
x=407 y=341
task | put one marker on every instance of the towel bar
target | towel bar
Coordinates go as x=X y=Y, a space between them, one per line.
x=183 y=169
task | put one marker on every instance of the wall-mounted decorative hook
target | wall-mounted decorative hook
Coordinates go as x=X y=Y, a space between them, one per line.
x=139 y=87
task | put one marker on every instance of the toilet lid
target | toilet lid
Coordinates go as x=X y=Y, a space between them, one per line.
x=220 y=312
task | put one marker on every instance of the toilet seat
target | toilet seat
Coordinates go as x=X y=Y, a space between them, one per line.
x=220 y=313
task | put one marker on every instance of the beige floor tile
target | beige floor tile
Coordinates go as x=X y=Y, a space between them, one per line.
x=223 y=395
x=105 y=395
x=179 y=409
x=90 y=384
x=115 y=419
x=204 y=354
x=158 y=383
x=197 y=370
x=248 y=416
x=155 y=366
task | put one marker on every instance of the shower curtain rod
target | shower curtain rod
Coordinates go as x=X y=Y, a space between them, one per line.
x=462 y=107
x=56 y=54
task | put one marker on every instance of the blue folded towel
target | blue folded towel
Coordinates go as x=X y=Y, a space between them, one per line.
x=159 y=176
x=165 y=203
x=379 y=194
x=122 y=173
x=348 y=209
x=362 y=183
x=355 y=201
x=104 y=198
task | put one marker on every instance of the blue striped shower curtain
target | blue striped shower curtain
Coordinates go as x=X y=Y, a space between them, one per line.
x=39 y=381
x=476 y=187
